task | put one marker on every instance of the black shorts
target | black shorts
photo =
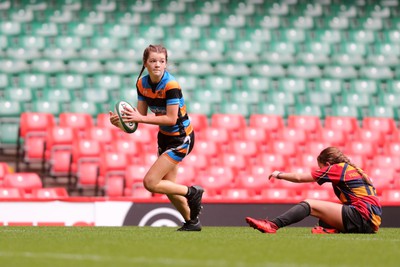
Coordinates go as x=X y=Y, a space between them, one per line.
x=175 y=148
x=353 y=222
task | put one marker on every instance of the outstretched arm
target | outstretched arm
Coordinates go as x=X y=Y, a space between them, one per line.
x=292 y=177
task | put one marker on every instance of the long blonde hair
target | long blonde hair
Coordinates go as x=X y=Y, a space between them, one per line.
x=334 y=155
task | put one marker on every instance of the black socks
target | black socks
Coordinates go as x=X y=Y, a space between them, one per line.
x=293 y=215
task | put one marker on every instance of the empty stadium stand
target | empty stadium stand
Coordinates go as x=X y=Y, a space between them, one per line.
x=266 y=83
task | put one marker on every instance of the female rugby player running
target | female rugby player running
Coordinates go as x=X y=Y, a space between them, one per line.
x=160 y=92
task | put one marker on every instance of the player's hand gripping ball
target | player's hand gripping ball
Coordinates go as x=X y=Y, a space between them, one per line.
x=129 y=127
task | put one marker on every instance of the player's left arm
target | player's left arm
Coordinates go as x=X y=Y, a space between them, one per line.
x=169 y=119
x=137 y=115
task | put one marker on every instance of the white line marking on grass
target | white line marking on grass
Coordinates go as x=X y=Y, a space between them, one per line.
x=141 y=260
x=352 y=237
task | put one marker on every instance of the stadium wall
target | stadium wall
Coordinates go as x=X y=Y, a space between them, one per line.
x=106 y=212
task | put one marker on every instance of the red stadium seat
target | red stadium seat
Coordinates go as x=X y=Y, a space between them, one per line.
x=396 y=135
x=85 y=164
x=247 y=148
x=315 y=147
x=32 y=136
x=396 y=183
x=115 y=186
x=208 y=148
x=384 y=125
x=133 y=150
x=261 y=170
x=255 y=182
x=11 y=193
x=141 y=193
x=310 y=124
x=279 y=195
x=382 y=178
x=359 y=160
x=112 y=171
x=386 y=161
x=390 y=197
x=102 y=134
x=33 y=122
x=283 y=147
x=197 y=160
x=26 y=181
x=142 y=135
x=59 y=150
x=87 y=176
x=296 y=135
x=149 y=158
x=363 y=148
x=50 y=193
x=392 y=148
x=213 y=183
x=112 y=163
x=259 y=135
x=186 y=175
x=220 y=170
x=273 y=160
x=85 y=149
x=307 y=160
x=368 y=135
x=198 y=121
x=103 y=120
x=346 y=124
x=301 y=168
x=78 y=121
x=234 y=160
x=150 y=127
x=134 y=175
x=236 y=194
x=321 y=194
x=216 y=134
x=332 y=136
x=232 y=122
x=270 y=123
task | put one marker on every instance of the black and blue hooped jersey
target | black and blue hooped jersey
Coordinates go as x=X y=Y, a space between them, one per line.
x=159 y=96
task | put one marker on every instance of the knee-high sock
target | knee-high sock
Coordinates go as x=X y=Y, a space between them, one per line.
x=293 y=215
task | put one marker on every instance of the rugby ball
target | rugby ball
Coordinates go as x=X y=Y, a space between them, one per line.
x=129 y=127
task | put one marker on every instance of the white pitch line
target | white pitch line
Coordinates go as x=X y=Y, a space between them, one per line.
x=142 y=260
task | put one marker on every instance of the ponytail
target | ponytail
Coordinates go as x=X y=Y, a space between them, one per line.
x=140 y=74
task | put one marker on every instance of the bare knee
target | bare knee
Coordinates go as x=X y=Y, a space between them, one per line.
x=150 y=184
x=310 y=203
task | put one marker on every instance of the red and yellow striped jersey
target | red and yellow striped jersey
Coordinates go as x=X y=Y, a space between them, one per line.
x=351 y=189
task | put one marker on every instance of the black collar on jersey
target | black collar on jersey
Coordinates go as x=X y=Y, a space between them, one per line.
x=154 y=85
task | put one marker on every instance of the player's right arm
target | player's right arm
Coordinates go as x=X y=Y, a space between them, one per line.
x=114 y=119
x=142 y=107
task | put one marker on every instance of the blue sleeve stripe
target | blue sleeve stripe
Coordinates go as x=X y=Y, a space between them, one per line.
x=173 y=101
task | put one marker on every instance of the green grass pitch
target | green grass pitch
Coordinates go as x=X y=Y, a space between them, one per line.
x=213 y=247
